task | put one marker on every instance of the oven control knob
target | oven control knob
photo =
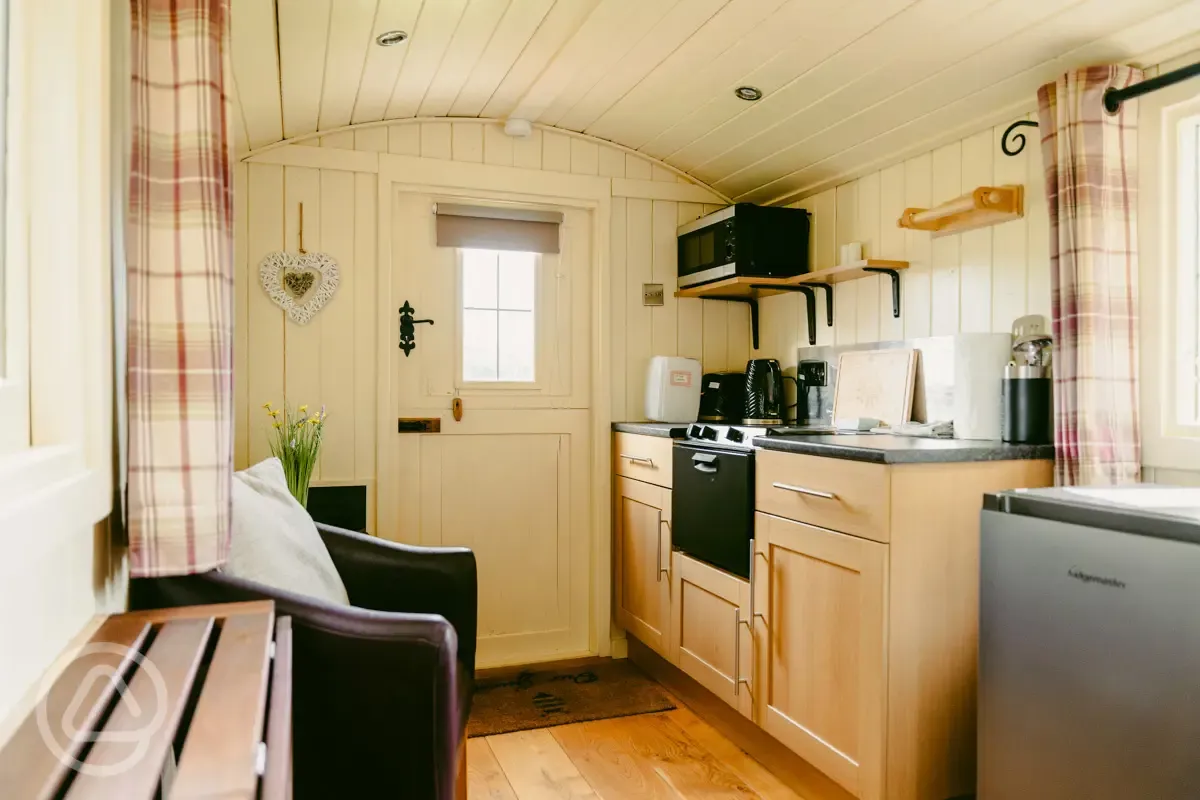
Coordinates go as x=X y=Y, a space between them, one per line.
x=708 y=433
x=694 y=432
x=734 y=435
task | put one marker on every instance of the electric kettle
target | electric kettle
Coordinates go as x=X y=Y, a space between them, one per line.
x=764 y=392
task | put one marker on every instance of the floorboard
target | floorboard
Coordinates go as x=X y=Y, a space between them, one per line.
x=485 y=779
x=537 y=768
x=674 y=755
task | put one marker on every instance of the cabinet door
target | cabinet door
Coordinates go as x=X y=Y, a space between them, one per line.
x=825 y=618
x=642 y=518
x=710 y=630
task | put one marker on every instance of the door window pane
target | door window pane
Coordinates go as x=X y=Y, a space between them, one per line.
x=499 y=293
x=516 y=346
x=479 y=345
x=516 y=281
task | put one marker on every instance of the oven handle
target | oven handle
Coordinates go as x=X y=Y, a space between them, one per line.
x=787 y=487
x=705 y=462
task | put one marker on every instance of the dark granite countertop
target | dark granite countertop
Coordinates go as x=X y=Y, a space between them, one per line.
x=886 y=449
x=667 y=430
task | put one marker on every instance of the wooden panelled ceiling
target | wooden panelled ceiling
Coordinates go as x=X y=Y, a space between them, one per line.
x=848 y=84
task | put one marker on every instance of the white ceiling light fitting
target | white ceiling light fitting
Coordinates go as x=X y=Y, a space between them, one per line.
x=390 y=38
x=749 y=93
x=518 y=128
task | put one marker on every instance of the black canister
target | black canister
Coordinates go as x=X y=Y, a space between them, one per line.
x=1027 y=406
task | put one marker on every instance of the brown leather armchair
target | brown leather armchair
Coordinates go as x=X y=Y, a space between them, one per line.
x=382 y=690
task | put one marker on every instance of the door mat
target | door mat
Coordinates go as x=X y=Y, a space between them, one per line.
x=542 y=698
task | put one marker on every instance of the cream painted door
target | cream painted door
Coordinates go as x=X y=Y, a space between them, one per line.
x=710 y=630
x=642 y=530
x=512 y=479
x=825 y=649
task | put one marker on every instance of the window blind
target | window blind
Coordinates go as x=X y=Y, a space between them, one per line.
x=495 y=228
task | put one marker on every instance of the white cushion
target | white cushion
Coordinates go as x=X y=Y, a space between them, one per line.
x=274 y=540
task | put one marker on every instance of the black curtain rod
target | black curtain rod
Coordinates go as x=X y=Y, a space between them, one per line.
x=1112 y=102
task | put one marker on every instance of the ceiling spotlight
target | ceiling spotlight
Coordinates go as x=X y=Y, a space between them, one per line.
x=390 y=38
x=750 y=93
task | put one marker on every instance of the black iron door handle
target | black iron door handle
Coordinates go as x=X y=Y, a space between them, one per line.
x=408 y=338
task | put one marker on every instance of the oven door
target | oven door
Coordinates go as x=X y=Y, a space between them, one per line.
x=707 y=254
x=712 y=505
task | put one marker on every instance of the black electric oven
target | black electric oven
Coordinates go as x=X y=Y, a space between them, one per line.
x=712 y=504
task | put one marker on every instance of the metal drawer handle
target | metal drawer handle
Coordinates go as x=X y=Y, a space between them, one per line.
x=787 y=487
x=638 y=460
x=658 y=558
x=738 y=680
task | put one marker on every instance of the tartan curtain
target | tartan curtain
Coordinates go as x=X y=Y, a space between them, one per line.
x=179 y=243
x=1091 y=185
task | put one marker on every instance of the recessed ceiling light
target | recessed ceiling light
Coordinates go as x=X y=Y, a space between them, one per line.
x=390 y=38
x=750 y=93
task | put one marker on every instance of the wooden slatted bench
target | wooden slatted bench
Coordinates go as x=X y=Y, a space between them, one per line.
x=181 y=703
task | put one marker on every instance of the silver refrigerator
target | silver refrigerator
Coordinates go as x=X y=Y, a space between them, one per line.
x=1089 y=651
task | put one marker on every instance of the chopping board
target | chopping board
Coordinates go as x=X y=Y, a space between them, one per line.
x=877 y=384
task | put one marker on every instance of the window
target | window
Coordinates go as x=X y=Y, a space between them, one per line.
x=499 y=289
x=1169 y=269
x=1187 y=225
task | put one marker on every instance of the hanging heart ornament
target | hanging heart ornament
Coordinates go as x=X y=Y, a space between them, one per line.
x=301 y=284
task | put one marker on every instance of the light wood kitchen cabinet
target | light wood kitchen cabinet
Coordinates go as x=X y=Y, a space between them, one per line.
x=823 y=644
x=644 y=458
x=711 y=640
x=642 y=533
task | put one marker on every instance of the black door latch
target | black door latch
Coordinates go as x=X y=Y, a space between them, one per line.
x=408 y=339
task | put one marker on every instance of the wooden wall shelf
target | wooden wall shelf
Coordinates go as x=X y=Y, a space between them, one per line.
x=750 y=290
x=987 y=205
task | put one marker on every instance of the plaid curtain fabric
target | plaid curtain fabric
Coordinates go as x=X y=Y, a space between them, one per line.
x=1091 y=184
x=180 y=288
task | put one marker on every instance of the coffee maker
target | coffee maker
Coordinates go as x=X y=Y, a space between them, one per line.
x=764 y=392
x=1027 y=400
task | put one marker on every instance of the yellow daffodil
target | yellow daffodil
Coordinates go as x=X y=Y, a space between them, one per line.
x=267 y=406
x=302 y=409
x=273 y=413
x=314 y=420
x=278 y=425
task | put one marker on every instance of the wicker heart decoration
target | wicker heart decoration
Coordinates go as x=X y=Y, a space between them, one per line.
x=301 y=284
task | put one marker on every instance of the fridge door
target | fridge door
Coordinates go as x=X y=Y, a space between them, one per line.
x=1089 y=674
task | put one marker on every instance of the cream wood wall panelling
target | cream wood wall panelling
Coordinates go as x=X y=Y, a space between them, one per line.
x=850 y=87
x=333 y=360
x=977 y=281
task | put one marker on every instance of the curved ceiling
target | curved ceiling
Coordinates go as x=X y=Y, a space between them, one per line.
x=848 y=84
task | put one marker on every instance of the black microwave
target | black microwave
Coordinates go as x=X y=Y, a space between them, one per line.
x=744 y=240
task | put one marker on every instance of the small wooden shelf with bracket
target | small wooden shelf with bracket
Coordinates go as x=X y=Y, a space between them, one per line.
x=986 y=205
x=749 y=290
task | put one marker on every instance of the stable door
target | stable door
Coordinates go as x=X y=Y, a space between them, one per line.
x=490 y=425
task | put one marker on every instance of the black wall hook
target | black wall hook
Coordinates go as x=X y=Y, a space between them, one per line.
x=408 y=339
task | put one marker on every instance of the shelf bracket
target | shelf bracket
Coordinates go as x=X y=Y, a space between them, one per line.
x=753 y=303
x=810 y=296
x=895 y=286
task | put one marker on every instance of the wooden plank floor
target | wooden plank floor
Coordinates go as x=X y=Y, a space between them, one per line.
x=673 y=755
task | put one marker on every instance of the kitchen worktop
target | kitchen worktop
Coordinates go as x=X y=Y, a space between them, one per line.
x=875 y=448
x=886 y=449
x=666 y=430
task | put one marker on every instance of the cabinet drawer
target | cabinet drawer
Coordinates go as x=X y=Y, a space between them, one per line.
x=643 y=458
x=847 y=496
